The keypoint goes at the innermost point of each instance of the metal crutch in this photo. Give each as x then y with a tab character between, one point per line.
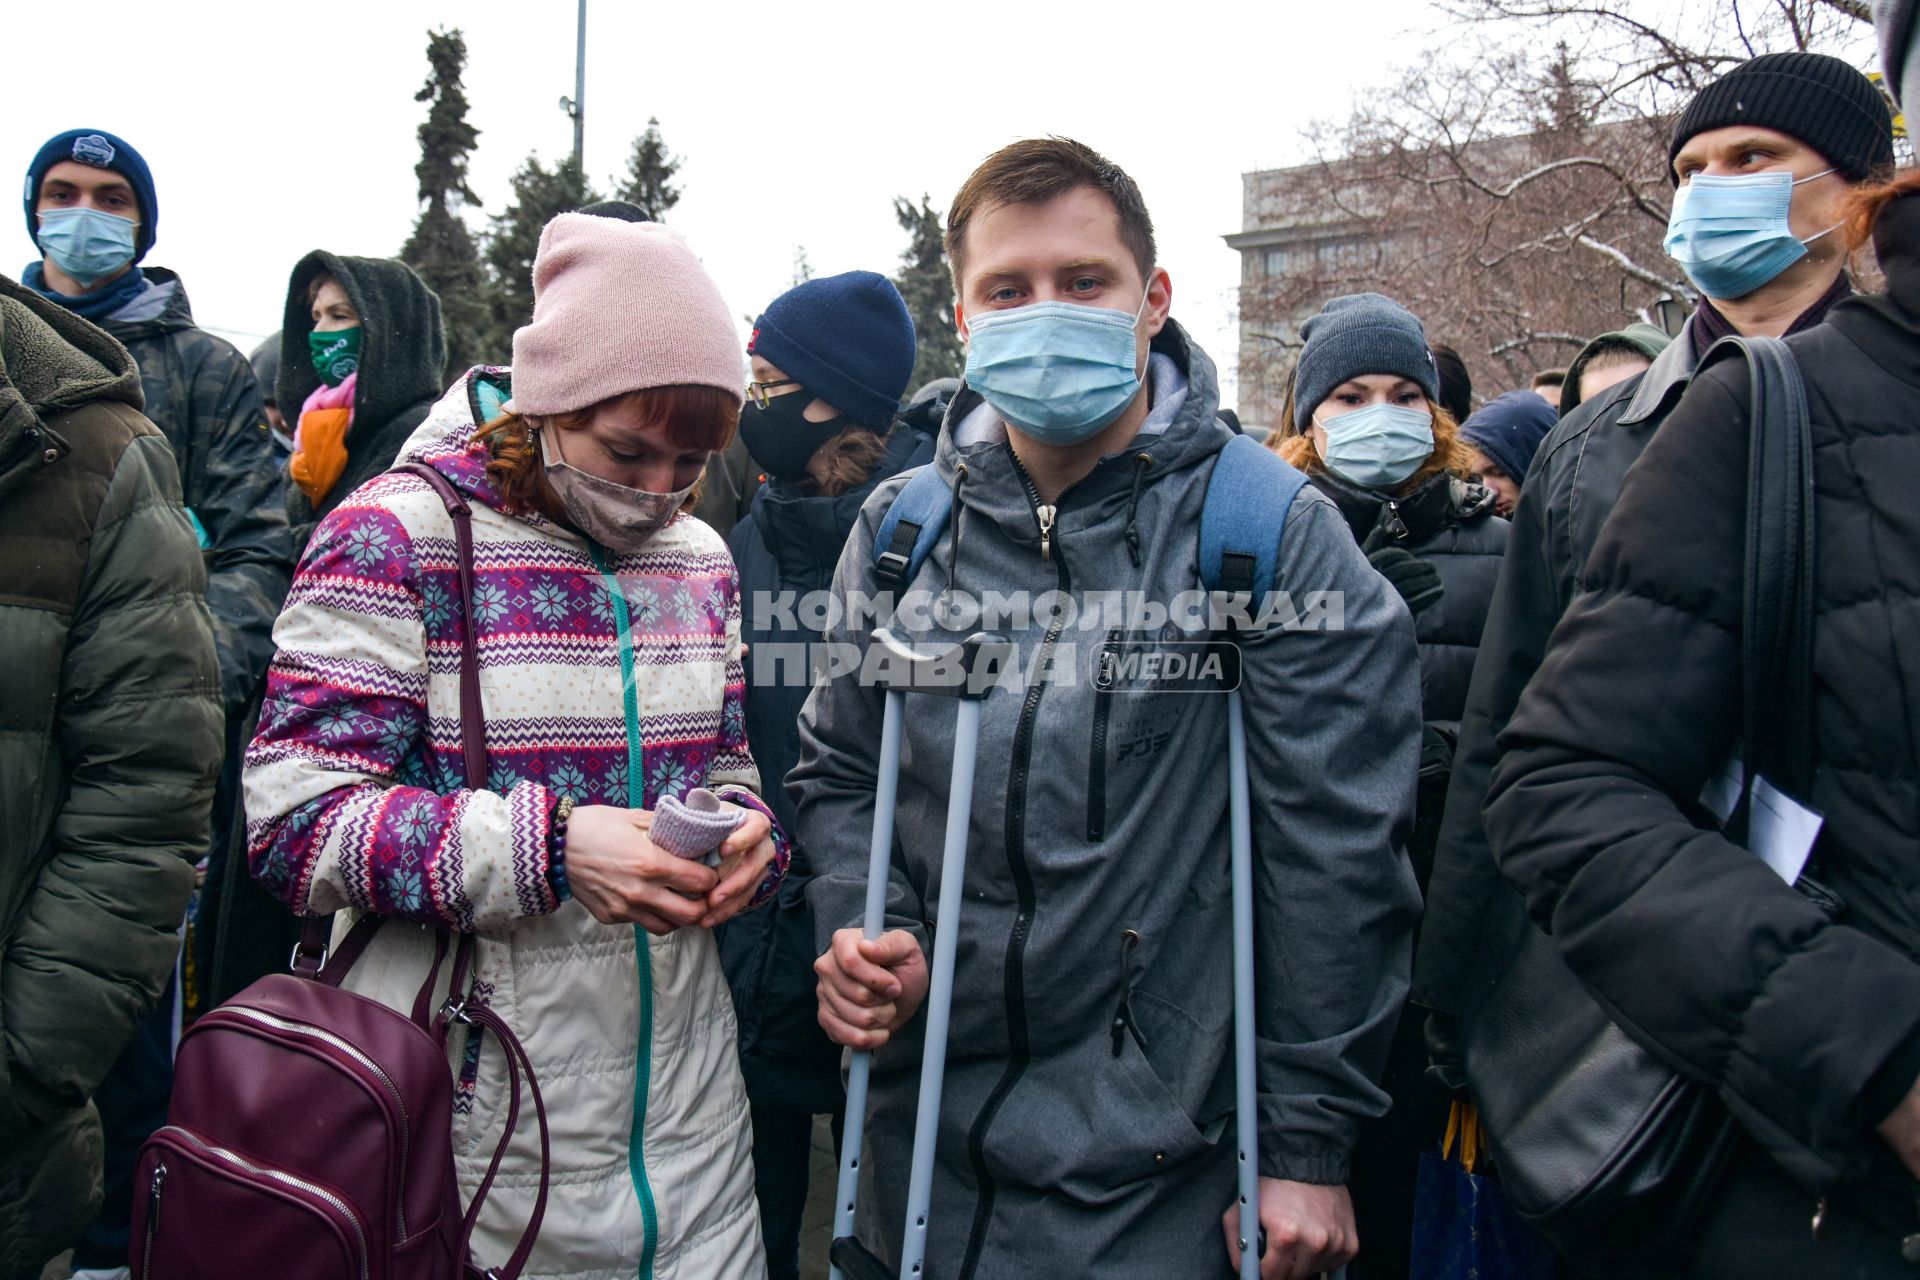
1246	1092
1245	1058
966	672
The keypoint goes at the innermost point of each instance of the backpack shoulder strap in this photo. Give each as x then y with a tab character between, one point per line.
910	528
1245	513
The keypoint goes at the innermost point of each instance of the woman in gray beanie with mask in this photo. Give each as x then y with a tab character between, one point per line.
1365	423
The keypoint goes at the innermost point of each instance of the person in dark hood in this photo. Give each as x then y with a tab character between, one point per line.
1087	1121
831	359
1364	423
1609	359
265	360
361	356
1780	141
1504	436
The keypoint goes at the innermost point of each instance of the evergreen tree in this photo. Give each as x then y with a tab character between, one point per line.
649	177
539	195
927	286
441	248
802	269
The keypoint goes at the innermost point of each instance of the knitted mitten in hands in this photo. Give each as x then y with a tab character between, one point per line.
694	828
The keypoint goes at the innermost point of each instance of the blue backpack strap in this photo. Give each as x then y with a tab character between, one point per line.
910	528
1248	496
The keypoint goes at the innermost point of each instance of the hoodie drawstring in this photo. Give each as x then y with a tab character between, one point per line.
1141	461
954	516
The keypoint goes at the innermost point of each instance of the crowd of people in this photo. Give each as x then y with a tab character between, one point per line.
537	666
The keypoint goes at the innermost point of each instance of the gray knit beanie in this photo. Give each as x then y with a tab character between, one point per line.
1356	335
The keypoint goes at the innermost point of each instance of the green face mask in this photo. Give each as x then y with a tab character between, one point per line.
335	355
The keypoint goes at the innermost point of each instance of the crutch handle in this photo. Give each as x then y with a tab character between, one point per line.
969	669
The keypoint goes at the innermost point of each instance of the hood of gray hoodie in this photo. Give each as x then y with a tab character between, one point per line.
1085	1127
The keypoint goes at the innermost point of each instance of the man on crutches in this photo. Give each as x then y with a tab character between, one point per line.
1086	1123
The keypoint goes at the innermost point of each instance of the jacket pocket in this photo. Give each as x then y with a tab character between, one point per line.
1103	676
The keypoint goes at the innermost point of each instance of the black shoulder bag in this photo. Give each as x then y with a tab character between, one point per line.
1605	1149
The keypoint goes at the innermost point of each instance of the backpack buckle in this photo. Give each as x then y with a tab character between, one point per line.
890	567
294	957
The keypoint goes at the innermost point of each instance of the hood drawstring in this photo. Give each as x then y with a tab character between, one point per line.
955	514
1141	461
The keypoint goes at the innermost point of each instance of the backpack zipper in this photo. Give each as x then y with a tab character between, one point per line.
286	1179
153	1217
373	1068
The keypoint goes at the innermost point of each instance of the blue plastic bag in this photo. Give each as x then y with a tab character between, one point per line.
1463	1227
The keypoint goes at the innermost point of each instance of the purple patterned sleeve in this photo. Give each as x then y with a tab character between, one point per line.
342	800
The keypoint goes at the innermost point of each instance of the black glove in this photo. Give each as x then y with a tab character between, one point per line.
1417	581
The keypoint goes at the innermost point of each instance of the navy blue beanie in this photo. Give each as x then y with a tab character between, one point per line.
1509	429
102	150
1356	335
846	338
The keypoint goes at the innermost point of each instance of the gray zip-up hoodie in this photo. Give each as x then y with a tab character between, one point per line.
1086	1127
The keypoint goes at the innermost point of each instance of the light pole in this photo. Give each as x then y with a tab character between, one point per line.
576	106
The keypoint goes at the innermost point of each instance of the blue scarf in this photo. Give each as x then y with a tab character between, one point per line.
95	306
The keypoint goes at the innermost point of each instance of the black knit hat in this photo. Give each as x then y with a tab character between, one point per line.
1819	100
847	338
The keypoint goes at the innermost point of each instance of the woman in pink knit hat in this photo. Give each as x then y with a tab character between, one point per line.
608	630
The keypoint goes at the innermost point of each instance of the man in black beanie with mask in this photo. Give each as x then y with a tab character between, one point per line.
1802	126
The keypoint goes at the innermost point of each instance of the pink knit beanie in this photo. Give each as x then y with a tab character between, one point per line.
617	307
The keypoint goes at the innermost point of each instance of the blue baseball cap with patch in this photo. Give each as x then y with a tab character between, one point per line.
102	150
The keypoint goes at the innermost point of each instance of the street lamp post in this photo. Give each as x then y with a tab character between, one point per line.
576	106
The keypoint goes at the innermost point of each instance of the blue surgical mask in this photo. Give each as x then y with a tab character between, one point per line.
1059	371
1378	446
1731	234
87	244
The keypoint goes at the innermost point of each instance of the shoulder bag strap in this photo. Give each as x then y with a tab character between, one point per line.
1776	634
311	958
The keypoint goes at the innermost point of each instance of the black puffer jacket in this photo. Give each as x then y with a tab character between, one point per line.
1452	525
791	542
403	355
200	392
1567	496
1809	1028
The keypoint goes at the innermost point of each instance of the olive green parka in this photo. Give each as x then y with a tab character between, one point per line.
110	737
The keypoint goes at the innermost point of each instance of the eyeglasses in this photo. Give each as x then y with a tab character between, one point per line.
757	391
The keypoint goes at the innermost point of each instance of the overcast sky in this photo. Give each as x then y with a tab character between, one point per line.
275	130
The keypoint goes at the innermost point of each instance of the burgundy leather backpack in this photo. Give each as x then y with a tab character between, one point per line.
310	1131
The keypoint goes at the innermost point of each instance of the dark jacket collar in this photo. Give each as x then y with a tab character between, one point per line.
806	532
1440	502
1660	385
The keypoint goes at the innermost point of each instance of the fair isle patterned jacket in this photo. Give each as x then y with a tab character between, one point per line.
616	680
